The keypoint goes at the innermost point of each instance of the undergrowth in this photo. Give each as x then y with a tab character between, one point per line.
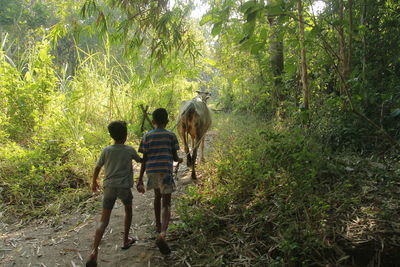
272	196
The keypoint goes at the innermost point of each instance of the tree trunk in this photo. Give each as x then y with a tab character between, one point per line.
363	41
304	75
276	52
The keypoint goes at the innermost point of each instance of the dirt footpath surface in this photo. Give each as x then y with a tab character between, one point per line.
68	242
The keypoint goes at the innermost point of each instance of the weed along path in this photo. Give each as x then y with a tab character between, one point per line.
67	240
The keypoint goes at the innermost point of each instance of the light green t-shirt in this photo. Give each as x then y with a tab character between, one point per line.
117	162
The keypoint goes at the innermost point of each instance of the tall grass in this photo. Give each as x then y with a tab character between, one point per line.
53	126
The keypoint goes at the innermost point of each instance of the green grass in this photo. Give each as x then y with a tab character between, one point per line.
273	195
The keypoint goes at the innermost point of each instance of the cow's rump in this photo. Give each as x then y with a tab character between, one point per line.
195	108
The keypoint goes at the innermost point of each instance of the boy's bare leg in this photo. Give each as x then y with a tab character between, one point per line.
127	223
157	208
166	214
105	219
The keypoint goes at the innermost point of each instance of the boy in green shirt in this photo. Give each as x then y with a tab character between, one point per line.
118	181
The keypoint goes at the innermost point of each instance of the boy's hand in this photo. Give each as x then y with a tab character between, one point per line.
140	187
95	187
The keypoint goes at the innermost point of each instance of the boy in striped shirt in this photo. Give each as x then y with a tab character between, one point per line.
159	148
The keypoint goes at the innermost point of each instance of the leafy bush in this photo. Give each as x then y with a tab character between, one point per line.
25	95
335	126
32	178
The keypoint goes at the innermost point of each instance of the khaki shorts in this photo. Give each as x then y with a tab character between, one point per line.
112	193
158	181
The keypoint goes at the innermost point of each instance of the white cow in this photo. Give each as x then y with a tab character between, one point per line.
194	119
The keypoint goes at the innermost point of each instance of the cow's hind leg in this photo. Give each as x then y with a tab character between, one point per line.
194	156
202	149
184	137
190	157
188	160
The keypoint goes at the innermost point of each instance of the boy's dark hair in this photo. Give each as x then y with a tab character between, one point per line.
118	130
160	116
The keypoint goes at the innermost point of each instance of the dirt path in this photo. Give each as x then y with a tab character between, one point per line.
68	242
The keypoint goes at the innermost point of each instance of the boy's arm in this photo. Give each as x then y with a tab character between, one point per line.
95	183
175	148
140	186
142	169
136	157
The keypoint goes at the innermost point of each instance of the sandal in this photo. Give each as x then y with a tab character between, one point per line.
130	243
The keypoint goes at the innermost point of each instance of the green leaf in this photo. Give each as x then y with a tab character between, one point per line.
210	61
246	6
216	29
248	28
206	18
28	76
43	54
88	8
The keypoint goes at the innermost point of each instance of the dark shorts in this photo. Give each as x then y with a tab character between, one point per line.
112	193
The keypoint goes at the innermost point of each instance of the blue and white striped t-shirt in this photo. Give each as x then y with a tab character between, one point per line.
158	146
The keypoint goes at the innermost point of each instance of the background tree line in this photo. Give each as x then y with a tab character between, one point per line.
324	62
